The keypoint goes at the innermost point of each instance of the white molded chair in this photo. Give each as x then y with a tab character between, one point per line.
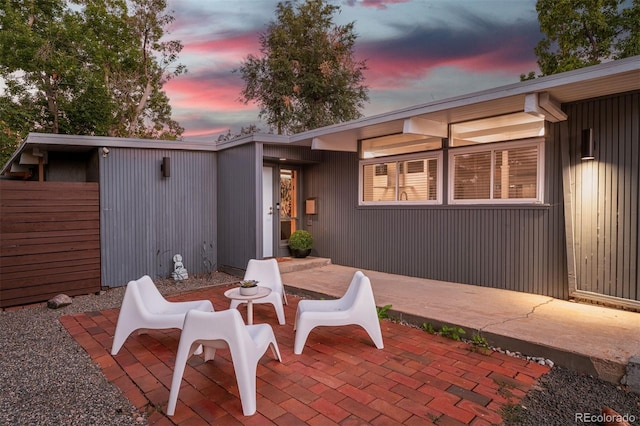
221	330
267	273
143	307
357	307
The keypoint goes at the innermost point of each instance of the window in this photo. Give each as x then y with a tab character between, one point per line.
405	143
496	129
413	179
497	173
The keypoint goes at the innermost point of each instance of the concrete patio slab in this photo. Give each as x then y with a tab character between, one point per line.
586	338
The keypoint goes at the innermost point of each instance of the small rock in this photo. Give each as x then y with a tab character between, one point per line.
59	301
549	363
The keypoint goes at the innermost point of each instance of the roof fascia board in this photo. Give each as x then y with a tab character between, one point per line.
14	157
98	141
268	138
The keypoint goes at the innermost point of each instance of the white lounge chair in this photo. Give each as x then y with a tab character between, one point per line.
267	273
143	307
357	306
218	330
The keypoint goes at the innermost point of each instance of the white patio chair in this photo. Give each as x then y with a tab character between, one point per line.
267	273
221	330
356	307
143	307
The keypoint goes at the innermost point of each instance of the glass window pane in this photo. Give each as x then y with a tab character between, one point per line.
406	180
472	176
398	144
516	173
496	129
417	179
379	182
432	171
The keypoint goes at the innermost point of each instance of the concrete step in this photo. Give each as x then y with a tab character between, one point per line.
292	264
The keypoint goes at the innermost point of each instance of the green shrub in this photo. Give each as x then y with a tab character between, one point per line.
300	240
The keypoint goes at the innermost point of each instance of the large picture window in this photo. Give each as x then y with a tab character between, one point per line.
414	179
497	173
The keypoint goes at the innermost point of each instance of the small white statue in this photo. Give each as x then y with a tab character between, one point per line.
179	271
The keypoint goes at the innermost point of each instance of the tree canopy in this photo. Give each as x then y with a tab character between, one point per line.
580	33
306	76
92	67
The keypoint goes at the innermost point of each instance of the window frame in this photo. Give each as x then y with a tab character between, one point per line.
538	142
424	155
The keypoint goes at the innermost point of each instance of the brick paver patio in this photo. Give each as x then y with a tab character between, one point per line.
340	378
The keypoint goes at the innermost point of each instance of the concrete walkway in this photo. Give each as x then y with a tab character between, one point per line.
586	338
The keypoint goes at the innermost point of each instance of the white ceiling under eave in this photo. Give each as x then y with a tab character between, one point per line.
586	83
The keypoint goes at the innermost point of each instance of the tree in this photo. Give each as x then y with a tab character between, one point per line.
580	33
96	68
306	76
244	131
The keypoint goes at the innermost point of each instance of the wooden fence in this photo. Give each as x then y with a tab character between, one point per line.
49	240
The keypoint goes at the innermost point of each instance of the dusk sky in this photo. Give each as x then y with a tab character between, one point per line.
417	51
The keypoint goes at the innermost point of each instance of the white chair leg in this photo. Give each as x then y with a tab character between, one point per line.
376	334
280	313
184	352
120	336
302	332
246	378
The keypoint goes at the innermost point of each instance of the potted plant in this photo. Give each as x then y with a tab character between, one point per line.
300	243
248	287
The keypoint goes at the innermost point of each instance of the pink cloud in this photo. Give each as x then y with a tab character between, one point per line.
244	43
378	4
211	95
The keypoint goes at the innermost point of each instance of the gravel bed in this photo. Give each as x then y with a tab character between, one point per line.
46	378
563	397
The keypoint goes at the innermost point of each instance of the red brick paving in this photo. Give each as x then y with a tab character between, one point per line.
340	378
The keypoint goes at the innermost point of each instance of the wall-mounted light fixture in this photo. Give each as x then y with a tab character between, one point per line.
165	167
588	144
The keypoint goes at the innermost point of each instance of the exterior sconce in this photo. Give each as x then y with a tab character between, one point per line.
165	167
588	145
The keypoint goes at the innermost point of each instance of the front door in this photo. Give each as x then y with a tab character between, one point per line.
268	212
289	205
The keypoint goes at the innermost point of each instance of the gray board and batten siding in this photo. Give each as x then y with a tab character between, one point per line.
239	171
518	248
146	218
240	198
605	199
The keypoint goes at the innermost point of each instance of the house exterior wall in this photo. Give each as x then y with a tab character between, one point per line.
297	154
72	166
605	196
239	200
146	219
516	247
